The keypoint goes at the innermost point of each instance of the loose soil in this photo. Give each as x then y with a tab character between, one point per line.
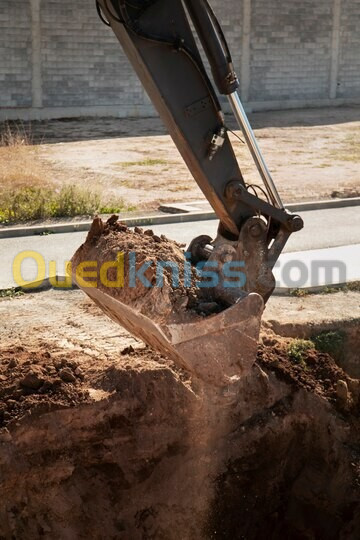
316	372
104	438
309	316
33	381
165	296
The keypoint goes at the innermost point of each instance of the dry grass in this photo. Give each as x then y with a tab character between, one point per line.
350	150
20	167
181	187
28	193
143	163
15	134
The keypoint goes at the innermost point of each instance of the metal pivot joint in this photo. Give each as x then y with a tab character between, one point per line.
235	191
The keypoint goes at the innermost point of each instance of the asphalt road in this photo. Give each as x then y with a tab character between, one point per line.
323	229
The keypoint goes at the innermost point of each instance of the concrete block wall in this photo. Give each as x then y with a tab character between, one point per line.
58	59
349	61
82	62
15	54
230	13
290	49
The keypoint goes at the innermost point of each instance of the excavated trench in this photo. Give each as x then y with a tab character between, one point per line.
137	448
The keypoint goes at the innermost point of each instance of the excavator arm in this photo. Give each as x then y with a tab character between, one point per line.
158	38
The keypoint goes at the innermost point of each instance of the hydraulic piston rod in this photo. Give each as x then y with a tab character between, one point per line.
253	146
219	56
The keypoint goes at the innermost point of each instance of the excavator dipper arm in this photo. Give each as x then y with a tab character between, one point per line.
158	39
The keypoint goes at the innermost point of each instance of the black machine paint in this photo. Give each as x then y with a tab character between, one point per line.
158	39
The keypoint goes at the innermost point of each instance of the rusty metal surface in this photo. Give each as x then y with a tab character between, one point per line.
217	349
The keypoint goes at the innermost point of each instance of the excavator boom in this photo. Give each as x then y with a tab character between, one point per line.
158	38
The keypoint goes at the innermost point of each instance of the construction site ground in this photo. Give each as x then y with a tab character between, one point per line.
104	438
69	321
313	154
101	437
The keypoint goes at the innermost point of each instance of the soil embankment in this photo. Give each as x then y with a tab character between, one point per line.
138	449
100	441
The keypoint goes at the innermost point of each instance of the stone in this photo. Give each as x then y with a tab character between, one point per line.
33	380
67	375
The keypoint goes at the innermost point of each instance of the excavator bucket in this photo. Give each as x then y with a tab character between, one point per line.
217	348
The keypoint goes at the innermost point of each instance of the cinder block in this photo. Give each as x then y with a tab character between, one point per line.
82	64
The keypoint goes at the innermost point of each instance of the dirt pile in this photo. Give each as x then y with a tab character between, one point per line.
136	448
37	382
152	275
314	371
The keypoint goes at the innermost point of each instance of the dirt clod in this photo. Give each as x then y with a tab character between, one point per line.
34	384
160	290
33	380
67	375
342	392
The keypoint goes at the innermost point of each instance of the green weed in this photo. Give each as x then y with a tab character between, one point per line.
297	350
11	293
180	187
143	163
33	203
114	208
299	293
330	342
331	290
352	286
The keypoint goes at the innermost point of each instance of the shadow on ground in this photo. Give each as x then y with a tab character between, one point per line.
97	128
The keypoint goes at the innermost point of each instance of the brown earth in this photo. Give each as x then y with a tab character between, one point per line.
317	372
313	154
134	448
103	438
34	381
106	240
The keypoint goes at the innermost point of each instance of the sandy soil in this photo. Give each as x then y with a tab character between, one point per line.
105	440
108	238
75	324
313	154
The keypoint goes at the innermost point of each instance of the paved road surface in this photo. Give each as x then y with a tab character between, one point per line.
323	229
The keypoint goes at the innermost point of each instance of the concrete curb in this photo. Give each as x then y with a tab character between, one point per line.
45	285
291	207
323	205
179	216
83	226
